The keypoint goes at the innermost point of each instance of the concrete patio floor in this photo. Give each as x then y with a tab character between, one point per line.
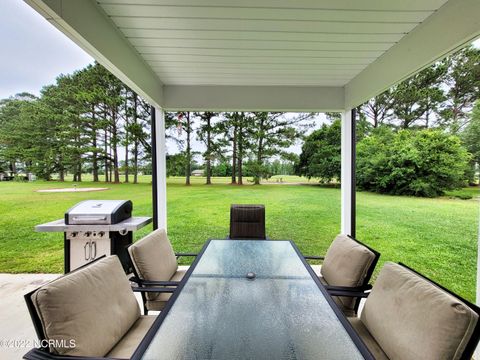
15	322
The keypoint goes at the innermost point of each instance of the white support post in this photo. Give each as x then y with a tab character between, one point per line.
348	175
159	169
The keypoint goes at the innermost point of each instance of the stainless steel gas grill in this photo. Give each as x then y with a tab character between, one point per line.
94	228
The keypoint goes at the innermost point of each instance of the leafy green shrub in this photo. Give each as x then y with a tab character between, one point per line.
420	163
320	156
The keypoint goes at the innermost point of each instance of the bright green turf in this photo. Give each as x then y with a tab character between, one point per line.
436	236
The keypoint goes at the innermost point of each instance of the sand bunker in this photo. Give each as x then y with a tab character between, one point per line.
63	190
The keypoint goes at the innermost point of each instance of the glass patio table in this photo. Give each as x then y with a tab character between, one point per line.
248	299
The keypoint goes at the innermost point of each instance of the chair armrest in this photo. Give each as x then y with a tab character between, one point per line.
38	354
153	289
359	294
154	282
348	288
313	257
184	254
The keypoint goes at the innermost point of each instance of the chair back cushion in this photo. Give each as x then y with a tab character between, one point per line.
346	263
412	318
153	258
93	306
247	222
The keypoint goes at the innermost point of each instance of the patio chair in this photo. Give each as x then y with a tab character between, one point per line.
155	265
347	265
90	312
247	222
408	317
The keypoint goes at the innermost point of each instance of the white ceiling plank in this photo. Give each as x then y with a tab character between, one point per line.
260	83
253	98
160	58
88	27
241	12
250	71
259	52
174	66
259	36
406	5
429	42
248	44
264	25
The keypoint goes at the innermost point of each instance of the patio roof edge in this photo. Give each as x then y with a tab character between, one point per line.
253	98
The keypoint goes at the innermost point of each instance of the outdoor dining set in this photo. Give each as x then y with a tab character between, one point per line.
250	297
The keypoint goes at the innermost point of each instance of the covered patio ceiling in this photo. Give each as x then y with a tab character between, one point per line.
278	55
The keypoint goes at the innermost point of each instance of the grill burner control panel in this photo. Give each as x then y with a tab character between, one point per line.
86	246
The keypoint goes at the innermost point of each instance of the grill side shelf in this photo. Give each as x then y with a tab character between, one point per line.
130	224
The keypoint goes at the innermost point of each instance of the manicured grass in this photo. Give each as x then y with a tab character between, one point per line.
438	237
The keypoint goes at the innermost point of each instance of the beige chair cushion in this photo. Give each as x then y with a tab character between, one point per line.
125	348
368	339
159	303
346	264
94	306
411	318
153	258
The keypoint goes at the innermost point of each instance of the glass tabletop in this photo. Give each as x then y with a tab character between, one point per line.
221	314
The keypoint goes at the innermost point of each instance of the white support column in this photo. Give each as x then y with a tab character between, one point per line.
159	169
347	176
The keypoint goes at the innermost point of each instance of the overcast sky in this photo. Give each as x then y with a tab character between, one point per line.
33	52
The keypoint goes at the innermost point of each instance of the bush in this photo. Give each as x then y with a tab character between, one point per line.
420	163
320	157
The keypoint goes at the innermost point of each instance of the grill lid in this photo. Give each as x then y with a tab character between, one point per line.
99	212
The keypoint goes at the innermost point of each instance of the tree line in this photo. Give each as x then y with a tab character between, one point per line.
90	122
236	144
75	126
80	124
420	137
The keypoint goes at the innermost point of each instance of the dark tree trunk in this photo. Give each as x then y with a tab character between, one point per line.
240	153
115	146
61	172
259	155
105	146
94	144
78	167
189	155
126	140
135	144
209	153
234	154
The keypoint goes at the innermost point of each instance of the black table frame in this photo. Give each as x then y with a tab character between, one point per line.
143	346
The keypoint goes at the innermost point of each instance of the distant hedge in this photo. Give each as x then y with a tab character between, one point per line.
411	162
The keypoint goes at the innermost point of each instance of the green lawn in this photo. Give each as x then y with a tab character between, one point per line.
438	237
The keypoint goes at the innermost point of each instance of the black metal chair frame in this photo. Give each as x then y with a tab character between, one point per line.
359	290
152	286
474	339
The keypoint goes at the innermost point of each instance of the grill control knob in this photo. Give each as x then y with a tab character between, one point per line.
101	233
88	233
